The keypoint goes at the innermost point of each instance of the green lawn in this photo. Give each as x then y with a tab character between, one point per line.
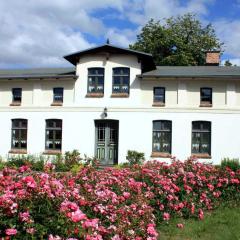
221	224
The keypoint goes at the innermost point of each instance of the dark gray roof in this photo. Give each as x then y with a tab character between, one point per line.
146	58
37	73
193	71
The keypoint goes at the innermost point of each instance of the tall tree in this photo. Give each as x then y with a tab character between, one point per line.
180	41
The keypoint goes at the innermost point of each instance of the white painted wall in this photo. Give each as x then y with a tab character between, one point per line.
135	131
89	61
135	114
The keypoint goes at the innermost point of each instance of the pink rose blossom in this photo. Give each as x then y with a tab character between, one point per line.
11	231
180	225
166	216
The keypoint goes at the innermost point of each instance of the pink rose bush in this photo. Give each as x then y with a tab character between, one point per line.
117	204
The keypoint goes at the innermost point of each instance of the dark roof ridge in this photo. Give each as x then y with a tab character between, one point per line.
105	45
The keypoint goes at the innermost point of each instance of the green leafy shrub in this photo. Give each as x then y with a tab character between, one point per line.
18	161
59	163
135	157
231	163
90	161
72	157
64	163
2	164
76	168
36	163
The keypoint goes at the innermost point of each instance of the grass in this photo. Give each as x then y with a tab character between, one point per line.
220	224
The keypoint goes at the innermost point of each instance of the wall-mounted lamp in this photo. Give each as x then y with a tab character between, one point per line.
104	113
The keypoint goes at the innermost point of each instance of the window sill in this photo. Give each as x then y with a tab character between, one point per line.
201	155
158	104
119	95
57	104
18	151
205	105
161	155
15	104
52	152
94	95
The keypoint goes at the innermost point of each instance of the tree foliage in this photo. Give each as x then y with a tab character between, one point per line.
179	41
228	63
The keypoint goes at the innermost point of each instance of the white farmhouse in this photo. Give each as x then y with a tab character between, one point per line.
116	99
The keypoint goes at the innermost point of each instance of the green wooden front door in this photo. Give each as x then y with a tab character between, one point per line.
106	141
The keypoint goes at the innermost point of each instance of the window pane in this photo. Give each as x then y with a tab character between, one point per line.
49	144
16	134
58	134
125	80
96	71
159	94
49	123
15	123
54	134
121	80
49	134
201	137
206	126
162	134
24	134
116	88
17	94
96	80
58	94
117	80
19	133
24	123
166	125
196	126
124	89
206	95
100	80
156	125
58	145
59	123
91	88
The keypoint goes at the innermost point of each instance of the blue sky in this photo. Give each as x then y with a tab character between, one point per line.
37	33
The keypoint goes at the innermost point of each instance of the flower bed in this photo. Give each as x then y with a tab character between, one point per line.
112	203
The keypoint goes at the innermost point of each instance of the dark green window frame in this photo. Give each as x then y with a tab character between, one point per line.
19	133
16	94
121	80
201	137
96	80
53	139
162	136
58	94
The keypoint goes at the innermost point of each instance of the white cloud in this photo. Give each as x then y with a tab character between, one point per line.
122	37
159	9
38	33
229	33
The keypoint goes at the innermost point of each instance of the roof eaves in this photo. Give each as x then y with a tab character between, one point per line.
40	77
188	76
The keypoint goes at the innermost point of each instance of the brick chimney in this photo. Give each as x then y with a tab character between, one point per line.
213	58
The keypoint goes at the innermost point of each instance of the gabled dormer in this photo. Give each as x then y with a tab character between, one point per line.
107	50
109	73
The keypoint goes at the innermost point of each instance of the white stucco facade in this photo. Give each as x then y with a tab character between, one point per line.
135	113
135	131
